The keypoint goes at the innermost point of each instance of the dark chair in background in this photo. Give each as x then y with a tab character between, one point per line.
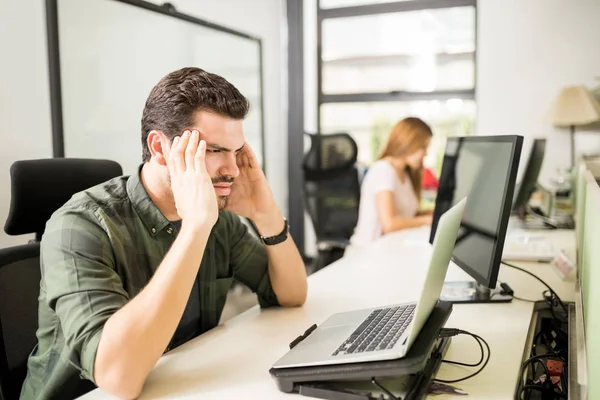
38	188
331	193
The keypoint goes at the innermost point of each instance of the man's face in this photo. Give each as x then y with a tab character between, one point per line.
224	139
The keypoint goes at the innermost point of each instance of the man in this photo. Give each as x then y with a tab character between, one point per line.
138	265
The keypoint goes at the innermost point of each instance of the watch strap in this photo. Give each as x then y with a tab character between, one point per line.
281	237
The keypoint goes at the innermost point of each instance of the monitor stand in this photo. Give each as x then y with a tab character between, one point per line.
532	224
530	219
473	292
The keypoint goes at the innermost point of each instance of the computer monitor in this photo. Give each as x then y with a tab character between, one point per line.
483	169
530	176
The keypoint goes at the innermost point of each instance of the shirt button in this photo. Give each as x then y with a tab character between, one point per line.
169	230
153	230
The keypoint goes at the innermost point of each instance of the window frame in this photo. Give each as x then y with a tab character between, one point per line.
393	95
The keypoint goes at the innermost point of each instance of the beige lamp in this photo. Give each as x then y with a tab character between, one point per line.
574	106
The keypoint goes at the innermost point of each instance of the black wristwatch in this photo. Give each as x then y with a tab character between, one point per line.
273	240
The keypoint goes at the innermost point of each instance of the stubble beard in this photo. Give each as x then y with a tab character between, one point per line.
222	202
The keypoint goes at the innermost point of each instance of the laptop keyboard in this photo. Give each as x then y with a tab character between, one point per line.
379	331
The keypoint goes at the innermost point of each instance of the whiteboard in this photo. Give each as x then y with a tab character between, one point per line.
112	52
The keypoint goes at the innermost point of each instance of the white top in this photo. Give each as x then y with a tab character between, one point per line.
382	176
232	361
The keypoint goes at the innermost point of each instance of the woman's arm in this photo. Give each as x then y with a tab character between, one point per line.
388	219
425	212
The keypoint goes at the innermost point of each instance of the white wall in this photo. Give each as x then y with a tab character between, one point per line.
25	130
265	19
526	51
24	91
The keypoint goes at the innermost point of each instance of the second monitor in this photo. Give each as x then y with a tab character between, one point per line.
530	177
483	169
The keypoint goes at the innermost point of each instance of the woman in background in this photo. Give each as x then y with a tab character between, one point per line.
391	189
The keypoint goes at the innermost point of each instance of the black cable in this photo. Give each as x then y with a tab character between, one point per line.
520	298
533	352
479	339
536	338
549	356
555	339
550	301
383	389
552	352
466	364
544	367
534	369
527	300
541	389
544	283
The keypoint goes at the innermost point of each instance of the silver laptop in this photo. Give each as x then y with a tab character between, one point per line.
381	333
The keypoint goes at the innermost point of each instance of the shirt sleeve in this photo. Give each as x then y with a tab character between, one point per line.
249	261
383	177
81	284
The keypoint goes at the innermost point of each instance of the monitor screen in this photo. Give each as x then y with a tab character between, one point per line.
530	174
483	169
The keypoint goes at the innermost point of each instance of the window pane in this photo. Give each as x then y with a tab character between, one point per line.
370	123
349	3
417	51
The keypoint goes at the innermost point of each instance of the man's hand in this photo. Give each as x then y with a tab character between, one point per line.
192	187
134	338
251	196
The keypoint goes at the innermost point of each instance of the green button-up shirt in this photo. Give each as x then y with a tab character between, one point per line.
100	250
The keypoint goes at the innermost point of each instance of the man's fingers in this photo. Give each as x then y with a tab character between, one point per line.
190	150
168	155
250	156
176	153
241	159
199	158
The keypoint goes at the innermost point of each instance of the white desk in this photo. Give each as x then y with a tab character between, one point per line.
233	360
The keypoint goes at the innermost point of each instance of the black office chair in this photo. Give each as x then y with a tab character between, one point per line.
331	193
38	188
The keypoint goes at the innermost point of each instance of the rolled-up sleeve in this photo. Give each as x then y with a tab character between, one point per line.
81	284
250	262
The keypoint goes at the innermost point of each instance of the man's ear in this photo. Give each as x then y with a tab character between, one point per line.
159	146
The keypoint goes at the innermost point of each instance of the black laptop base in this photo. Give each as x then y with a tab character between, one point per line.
418	367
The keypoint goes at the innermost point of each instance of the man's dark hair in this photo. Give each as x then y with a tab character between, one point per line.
171	105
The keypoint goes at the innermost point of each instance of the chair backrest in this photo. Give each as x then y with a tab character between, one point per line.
332	186
38	188
19	291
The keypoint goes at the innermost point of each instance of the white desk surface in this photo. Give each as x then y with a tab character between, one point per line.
232	360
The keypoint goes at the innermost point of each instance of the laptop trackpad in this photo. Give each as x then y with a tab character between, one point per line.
324	341
316	348
352	318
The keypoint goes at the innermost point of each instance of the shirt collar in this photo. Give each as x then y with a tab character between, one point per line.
153	219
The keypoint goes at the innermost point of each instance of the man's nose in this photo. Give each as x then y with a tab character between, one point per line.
230	168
